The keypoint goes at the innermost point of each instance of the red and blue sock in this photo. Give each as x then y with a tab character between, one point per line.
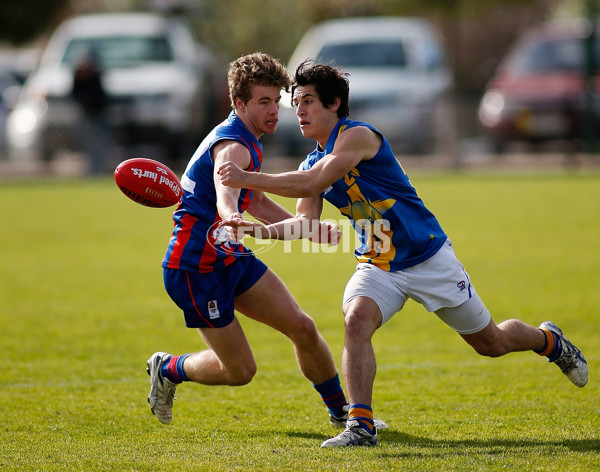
333	396
172	369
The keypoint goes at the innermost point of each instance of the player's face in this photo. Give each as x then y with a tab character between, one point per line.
261	113
315	120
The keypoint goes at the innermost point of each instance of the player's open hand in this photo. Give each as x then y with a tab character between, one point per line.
231	175
234	220
243	227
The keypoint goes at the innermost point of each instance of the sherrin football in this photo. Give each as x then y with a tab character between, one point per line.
148	182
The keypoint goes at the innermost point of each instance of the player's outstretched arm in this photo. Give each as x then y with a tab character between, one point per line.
275	222
287	184
323	232
350	149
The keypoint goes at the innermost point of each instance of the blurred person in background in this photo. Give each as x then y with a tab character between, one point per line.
92	132
404	254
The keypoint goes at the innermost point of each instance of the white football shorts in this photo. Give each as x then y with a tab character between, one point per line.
440	284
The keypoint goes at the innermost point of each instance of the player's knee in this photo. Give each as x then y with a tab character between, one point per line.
489	342
304	331
495	349
359	324
352	323
243	374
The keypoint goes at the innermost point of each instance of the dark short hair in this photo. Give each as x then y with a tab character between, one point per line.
329	83
255	69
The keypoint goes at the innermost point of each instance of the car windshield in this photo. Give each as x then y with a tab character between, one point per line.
118	51
365	54
552	56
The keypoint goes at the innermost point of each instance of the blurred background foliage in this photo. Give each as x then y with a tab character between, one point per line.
476	32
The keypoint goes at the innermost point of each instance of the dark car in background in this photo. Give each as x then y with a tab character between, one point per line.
538	93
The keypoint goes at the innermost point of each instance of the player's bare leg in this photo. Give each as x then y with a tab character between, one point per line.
221	365
218	365
362	318
508	336
547	340
270	302
267	301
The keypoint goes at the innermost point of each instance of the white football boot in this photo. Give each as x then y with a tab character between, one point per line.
571	361
162	391
353	435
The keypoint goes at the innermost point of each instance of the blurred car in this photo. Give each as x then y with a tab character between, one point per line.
15	66
8	83
158	79
538	91
399	77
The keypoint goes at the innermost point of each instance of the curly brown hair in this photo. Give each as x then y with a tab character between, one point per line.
255	69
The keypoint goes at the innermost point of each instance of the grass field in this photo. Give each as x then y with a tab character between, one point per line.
83	307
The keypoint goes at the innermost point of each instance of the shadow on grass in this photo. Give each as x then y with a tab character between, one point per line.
487	446
438	447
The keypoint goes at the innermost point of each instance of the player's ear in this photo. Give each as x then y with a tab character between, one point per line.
239	104
336	104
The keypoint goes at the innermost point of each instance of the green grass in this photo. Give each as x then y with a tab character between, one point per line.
82	307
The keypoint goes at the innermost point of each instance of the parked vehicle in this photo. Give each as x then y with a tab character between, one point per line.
398	72
8	82
15	66
538	92
159	82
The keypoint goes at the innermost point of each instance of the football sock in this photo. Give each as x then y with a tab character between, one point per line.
364	415
172	369
333	396
553	347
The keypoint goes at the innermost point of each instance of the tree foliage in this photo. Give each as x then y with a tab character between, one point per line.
235	27
477	33
23	20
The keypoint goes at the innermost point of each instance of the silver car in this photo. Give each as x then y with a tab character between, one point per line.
158	79
399	78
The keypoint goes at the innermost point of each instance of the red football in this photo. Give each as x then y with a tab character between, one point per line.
147	182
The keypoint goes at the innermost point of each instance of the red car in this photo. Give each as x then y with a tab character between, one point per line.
538	92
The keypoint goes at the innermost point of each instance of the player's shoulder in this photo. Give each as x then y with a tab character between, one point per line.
353	127
230	145
231	150
360	138
351	130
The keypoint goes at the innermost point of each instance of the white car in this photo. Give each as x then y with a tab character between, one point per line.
158	79
399	77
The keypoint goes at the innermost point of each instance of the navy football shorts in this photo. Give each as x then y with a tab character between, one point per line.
207	300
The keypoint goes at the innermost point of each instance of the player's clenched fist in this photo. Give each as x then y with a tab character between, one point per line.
331	231
231	175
